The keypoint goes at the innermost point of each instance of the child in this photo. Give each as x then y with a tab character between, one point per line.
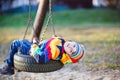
55	48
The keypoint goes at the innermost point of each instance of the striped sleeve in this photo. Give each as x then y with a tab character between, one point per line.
65	59
56	48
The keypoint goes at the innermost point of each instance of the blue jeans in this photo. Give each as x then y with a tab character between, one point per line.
14	47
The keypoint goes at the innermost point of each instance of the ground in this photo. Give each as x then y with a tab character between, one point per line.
68	72
101	61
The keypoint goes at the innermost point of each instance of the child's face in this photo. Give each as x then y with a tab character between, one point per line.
70	47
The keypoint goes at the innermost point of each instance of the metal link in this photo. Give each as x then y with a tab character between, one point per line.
28	25
49	20
50	10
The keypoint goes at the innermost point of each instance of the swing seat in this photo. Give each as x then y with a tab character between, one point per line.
29	64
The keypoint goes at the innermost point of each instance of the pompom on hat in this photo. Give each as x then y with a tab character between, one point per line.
79	52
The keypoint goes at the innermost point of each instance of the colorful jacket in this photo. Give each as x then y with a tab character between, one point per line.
51	49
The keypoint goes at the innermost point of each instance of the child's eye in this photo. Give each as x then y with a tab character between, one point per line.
67	45
71	51
74	46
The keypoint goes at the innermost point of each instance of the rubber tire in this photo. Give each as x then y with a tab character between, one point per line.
28	64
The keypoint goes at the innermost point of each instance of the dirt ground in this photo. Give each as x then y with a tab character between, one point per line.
68	72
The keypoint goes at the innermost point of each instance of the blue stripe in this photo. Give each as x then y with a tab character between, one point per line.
60	48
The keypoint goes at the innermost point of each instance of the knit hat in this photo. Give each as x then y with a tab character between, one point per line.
79	53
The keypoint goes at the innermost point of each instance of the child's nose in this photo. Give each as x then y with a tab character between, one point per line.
74	49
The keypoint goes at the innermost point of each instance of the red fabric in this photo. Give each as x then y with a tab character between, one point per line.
76	60
49	49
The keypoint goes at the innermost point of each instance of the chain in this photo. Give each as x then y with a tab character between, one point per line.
50	13
42	36
48	21
29	20
29	24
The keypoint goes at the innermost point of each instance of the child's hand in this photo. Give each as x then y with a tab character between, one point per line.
54	35
33	48
35	41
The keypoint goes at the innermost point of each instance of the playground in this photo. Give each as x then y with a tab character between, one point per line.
97	30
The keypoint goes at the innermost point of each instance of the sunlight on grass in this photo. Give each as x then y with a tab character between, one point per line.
7	35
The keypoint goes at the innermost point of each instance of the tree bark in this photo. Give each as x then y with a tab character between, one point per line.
39	19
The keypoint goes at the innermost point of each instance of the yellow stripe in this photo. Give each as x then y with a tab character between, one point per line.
77	57
65	59
54	49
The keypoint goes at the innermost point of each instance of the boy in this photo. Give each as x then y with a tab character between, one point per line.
55	48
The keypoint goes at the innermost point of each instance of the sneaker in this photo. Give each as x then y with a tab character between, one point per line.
7	70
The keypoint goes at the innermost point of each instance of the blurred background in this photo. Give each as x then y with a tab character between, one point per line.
21	6
93	23
67	12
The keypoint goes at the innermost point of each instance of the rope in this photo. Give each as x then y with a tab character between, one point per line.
49	20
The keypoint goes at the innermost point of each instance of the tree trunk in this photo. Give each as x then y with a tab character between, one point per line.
39	19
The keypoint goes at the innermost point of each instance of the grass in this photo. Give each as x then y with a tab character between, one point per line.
75	18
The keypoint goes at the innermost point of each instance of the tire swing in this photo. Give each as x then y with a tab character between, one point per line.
27	63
